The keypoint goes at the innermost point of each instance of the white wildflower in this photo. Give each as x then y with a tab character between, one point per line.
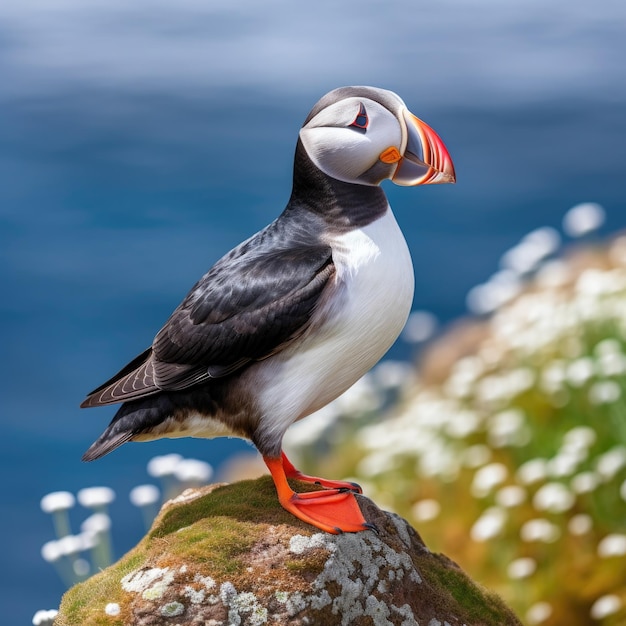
390	374
96	523
57	501
376	463
425	510
463	377
44	618
612	545
604	392
70	545
484	298
585	482
580	437
540	530
112	609
553	376
610	359
611	462
593	283
605	606
488	477
583	218
51	551
363	397
554	498
96	497
193	471
534	247
580	524
489	524
464	424
164	465
607	347
506	428
476	455
564	463
532	471
580	371
554	273
510	496
439	460
538	613
522	568
612	364
420	326
144	495
310	429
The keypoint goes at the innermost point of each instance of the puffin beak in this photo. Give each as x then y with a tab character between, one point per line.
425	160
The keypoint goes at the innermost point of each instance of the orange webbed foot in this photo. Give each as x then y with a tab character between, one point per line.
292	472
333	510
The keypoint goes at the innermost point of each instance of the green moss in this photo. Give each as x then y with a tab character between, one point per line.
218	541
245	501
84	603
480	606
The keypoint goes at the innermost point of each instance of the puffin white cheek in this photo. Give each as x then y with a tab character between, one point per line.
339	152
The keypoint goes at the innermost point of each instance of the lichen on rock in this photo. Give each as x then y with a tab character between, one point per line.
230	556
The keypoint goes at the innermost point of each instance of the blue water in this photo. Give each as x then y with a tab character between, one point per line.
136	147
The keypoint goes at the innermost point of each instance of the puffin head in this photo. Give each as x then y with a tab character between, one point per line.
365	135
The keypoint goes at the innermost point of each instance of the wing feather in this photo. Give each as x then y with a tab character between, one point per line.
250	305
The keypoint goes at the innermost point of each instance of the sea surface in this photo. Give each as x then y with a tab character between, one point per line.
140	143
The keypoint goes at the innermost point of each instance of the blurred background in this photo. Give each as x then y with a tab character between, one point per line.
140	141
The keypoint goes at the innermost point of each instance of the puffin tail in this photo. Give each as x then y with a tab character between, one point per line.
106	443
132	418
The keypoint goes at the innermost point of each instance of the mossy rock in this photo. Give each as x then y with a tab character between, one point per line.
229	555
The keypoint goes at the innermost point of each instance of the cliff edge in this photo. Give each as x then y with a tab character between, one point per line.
230	555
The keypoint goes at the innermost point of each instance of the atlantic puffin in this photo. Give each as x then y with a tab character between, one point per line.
292	317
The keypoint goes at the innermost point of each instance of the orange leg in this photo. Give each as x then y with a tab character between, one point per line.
332	510
292	472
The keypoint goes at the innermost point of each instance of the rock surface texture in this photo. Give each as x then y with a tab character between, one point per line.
230	555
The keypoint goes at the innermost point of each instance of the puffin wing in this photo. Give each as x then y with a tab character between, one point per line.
246	308
134	380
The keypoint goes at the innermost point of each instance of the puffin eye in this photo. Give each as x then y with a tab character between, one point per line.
361	120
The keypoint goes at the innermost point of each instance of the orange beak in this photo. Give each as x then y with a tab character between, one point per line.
425	159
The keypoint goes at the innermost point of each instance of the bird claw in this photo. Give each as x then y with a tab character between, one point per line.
370	526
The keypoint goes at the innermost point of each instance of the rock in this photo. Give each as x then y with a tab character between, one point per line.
230	555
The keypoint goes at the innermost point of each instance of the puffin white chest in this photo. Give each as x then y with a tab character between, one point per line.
363	316
375	279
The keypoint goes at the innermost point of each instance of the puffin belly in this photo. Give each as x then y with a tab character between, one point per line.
357	325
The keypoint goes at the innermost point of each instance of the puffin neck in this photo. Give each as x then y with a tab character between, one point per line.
343	206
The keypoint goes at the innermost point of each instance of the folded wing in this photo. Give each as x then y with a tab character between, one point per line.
247	307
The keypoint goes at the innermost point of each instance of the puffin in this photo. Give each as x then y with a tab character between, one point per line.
292	317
